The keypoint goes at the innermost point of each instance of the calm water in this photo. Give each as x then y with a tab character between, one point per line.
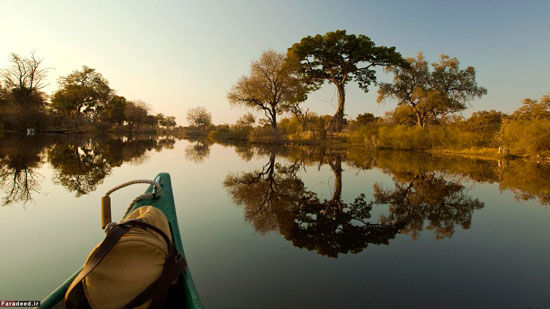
289	227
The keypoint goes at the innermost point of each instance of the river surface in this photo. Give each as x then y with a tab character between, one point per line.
288	227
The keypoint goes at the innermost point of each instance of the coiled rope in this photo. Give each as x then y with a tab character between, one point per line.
106	200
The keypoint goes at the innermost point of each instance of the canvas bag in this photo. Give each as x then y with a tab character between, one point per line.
132	268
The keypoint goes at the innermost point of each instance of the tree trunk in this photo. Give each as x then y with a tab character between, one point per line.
274	121
337	121
336	166
420	120
273	113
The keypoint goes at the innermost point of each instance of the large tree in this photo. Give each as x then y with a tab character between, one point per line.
429	94
271	87
113	110
22	103
135	113
533	109
25	74
338	58
81	92
199	118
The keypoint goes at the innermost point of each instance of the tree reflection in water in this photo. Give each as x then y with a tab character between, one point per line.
19	158
198	151
267	195
80	163
274	198
427	196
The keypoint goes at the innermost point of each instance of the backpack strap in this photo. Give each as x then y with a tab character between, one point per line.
73	300
174	265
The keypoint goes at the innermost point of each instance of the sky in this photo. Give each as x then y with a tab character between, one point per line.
176	55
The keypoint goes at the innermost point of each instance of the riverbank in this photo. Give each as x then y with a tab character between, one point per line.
343	140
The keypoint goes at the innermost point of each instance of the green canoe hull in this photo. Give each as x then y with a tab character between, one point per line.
166	204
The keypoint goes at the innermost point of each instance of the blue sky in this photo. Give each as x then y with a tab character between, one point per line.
175	55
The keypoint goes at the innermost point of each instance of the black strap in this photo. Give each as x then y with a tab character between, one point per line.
174	265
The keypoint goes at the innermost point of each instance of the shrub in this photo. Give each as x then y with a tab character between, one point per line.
529	137
224	133
409	138
265	134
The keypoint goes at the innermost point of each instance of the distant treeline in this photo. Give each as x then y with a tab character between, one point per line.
83	102
428	98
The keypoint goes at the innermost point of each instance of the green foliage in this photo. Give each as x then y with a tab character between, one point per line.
485	121
266	134
409	138
533	109
113	110
530	137
366	118
431	94
226	133
199	118
168	122
338	57
454	135
362	120
246	120
271	87
315	128
365	135
81	92
136	113
402	115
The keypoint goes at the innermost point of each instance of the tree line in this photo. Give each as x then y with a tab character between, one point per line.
279	83
428	98
83	101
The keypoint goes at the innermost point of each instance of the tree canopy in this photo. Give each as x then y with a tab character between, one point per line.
430	94
533	109
113	110
27	74
271	86
22	103
338	58
199	117
81	92
136	113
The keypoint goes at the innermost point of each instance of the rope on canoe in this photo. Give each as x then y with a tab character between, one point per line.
151	195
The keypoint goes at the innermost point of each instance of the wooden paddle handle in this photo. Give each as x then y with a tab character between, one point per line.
105	211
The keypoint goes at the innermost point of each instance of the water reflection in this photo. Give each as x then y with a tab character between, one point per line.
198	151
19	158
422	197
428	193
80	163
276	199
